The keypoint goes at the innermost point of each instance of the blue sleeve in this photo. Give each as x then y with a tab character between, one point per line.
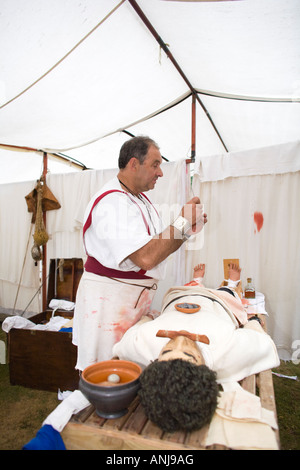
47	438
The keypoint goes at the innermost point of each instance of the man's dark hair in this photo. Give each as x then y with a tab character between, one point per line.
178	395
136	147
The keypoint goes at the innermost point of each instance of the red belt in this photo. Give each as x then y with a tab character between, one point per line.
93	266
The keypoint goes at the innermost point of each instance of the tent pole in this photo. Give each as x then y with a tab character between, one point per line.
163	45
44	260
193	146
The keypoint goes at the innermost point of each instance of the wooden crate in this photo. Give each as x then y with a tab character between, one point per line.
45	360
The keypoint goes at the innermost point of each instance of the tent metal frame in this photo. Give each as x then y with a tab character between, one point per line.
165	48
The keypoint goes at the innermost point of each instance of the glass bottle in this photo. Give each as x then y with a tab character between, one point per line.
249	289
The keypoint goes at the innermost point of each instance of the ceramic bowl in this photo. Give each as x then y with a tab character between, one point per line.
111	400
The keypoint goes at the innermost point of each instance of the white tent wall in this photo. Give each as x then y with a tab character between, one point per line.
19	277
233	188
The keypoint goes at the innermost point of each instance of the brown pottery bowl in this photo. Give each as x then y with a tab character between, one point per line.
110	399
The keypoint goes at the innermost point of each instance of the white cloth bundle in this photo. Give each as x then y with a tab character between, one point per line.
61	304
240	422
55	324
74	403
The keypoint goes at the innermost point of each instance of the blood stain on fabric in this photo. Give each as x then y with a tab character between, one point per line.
259	221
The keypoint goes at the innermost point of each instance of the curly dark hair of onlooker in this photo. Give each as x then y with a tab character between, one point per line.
178	395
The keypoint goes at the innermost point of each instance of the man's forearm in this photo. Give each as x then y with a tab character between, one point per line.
191	219
157	249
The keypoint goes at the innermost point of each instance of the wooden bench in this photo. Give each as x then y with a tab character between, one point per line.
87	431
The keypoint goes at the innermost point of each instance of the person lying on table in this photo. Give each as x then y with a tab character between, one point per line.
215	344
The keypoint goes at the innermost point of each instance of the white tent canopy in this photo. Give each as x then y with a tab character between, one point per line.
76	76
74	72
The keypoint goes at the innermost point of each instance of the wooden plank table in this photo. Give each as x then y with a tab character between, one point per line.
87	431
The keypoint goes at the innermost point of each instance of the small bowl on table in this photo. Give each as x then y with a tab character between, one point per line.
111	386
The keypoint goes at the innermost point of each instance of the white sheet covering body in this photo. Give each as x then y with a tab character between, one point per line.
233	353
